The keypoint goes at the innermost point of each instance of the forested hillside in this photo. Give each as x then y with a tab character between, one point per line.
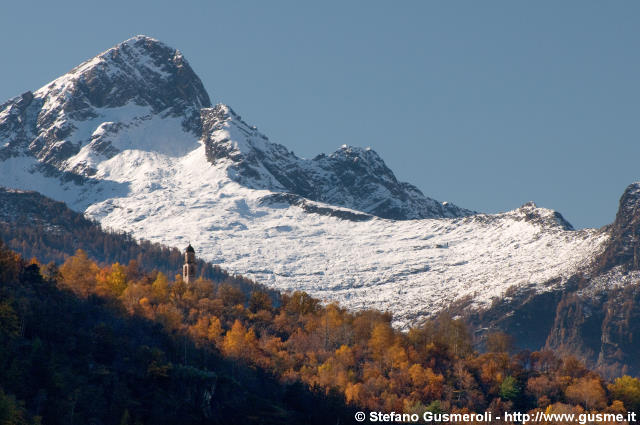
68	359
85	343
36	226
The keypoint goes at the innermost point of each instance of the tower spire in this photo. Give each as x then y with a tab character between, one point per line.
189	268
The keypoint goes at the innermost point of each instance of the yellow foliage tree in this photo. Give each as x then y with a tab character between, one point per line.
160	288
179	287
381	339
588	392
627	390
132	295
353	393
200	330
116	281
344	355
169	316
396	357
79	273
215	330
233	343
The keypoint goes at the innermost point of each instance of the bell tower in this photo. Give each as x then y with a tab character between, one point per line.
189	268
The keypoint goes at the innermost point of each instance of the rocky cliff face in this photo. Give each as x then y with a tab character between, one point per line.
625	233
350	177
595	314
600	327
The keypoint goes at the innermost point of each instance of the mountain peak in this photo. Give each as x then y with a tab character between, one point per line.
140	69
358	159
624	245
629	202
356	153
139	94
142	43
543	216
141	37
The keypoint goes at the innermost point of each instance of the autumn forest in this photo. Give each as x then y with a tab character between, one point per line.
85	342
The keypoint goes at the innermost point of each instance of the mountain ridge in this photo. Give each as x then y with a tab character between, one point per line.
339	226
350	177
142	94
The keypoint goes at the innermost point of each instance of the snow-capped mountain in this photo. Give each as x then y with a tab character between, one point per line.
139	94
143	95
129	138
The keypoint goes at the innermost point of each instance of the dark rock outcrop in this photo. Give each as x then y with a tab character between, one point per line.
623	249
554	219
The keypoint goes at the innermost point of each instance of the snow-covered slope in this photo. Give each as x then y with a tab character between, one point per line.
119	138
410	267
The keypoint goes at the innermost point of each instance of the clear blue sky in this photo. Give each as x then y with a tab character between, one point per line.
486	104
